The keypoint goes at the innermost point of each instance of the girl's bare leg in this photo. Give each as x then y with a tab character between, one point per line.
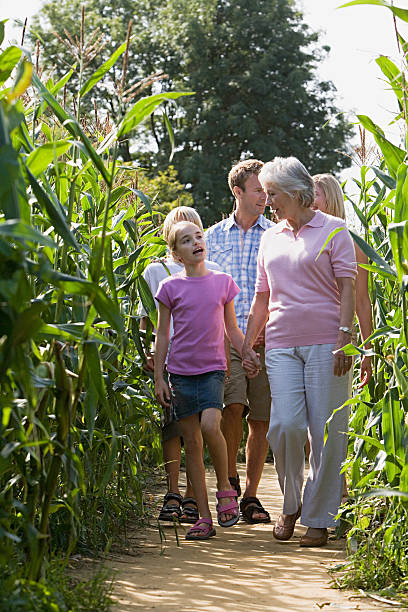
193	446
217	446
189	488
171	457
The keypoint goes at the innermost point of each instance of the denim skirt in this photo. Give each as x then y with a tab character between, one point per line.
193	394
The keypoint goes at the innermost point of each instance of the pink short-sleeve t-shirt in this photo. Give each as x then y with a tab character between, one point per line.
197	307
304	300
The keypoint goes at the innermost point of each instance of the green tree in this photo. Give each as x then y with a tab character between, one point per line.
165	190
253	67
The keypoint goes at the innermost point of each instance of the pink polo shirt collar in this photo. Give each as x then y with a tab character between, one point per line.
316	221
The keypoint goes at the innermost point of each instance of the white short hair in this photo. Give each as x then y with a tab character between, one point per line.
289	175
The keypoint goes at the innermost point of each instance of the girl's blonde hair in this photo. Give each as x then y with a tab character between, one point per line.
181	213
333	194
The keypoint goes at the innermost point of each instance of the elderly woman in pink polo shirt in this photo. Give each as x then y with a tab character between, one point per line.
305	292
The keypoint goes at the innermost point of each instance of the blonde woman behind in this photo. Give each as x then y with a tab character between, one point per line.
329	199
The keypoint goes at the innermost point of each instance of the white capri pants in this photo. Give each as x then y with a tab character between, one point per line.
305	393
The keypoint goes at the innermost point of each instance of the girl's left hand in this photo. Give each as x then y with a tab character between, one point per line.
162	393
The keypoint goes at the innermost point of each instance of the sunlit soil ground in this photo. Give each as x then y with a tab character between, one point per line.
241	568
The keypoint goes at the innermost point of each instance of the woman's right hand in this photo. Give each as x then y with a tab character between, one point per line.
342	363
162	393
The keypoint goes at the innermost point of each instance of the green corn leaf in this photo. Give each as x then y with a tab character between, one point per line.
44	155
393	74
392	419
377	270
145	199
102	70
398	12
27	323
96	259
368	439
105	307
22	82
401	195
402	381
385	178
358	212
93	367
372	254
73	127
386	331
349	402
137	338
2	23
109	268
404	480
393	155
355	2
329	237
111	459
90	409
63	81
8	61
79	286
73	332
143	108
54	213
147	299
398	233
18	230
9	176
350	349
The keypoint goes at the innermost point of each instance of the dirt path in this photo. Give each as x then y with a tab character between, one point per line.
242	568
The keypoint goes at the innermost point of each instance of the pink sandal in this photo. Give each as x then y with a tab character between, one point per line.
231	508
201	530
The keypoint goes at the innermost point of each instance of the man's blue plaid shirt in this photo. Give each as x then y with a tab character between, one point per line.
236	253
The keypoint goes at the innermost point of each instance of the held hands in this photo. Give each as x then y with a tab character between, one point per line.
250	362
162	393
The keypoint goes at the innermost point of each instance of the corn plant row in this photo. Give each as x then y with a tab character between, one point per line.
378	444
76	417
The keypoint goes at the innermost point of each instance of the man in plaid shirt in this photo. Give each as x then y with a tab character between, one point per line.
233	243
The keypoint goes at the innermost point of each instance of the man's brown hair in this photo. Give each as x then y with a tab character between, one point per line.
241	171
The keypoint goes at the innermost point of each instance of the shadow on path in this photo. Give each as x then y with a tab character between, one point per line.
241	568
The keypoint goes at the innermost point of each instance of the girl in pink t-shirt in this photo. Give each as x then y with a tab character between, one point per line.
201	302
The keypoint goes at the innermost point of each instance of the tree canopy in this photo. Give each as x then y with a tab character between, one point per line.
253	65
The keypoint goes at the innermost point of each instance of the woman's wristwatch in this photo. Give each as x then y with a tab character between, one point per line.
346	330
